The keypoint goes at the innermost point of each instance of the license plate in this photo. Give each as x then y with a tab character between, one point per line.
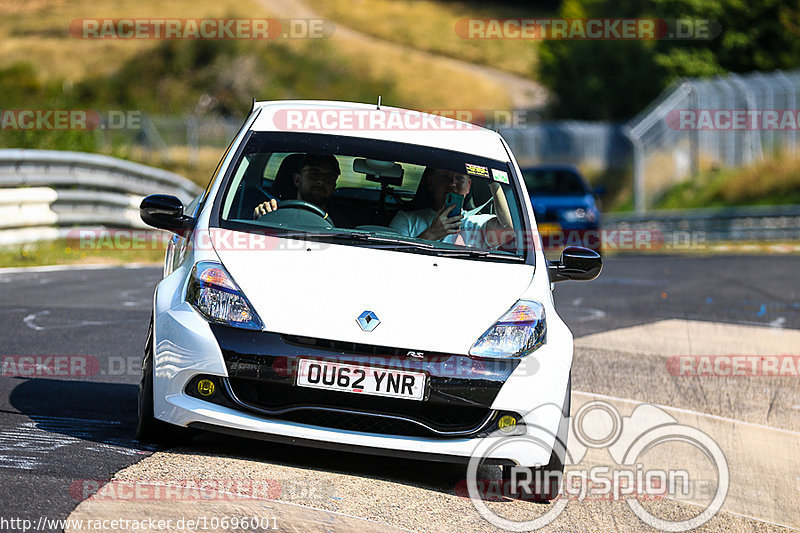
361	379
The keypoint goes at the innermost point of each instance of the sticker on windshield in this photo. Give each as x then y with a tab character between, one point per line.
477	170
500	175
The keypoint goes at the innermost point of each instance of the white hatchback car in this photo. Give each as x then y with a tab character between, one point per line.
361	278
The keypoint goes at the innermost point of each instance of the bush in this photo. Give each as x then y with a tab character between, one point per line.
613	80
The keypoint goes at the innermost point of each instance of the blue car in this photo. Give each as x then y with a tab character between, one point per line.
565	206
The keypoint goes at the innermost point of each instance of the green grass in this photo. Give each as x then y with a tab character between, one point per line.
772	182
171	76
775	181
64	252
431	26
43	67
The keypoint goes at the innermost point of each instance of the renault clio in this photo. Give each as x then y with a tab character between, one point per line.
361	278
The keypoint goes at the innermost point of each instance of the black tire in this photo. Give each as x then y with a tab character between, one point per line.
553	472
148	429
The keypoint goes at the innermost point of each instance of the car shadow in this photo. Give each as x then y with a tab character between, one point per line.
443	477
98	412
105	413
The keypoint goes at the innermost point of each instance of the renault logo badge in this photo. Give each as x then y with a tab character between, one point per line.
368	320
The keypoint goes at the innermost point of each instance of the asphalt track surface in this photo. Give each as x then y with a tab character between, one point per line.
58	432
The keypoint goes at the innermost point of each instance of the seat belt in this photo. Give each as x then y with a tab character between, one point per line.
478	209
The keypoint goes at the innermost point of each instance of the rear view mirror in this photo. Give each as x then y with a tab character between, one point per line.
576	263
383	172
163	211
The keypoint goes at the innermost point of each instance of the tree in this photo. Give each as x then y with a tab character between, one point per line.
614	79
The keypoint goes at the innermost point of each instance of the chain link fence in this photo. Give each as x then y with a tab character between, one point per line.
698	124
597	145
695	125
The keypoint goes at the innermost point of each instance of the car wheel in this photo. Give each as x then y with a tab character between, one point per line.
553	472
148	429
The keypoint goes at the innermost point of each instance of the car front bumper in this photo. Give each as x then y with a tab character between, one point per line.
186	346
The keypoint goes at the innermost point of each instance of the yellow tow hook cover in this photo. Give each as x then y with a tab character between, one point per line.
205	387
507	424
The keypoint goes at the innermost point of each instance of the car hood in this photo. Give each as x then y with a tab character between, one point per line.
423	302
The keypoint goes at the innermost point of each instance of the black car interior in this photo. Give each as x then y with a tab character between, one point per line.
372	207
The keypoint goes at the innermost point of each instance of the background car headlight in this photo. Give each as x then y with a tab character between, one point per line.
518	332
214	294
580	214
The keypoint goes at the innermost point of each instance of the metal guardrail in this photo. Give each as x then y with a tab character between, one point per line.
44	194
757	223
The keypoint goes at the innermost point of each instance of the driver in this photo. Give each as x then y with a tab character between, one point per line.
315	180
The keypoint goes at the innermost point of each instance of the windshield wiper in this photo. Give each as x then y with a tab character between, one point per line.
474	252
358	236
385	239
401	242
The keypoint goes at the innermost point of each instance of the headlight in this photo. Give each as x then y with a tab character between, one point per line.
214	294
573	215
579	215
518	332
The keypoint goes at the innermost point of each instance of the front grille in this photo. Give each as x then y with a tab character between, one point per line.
354	348
262	370
370	424
341	410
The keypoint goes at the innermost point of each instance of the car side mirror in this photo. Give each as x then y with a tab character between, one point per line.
599	191
576	263
164	211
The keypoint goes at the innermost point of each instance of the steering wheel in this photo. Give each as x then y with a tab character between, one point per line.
301	204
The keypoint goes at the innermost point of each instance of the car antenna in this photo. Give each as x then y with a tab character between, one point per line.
379	103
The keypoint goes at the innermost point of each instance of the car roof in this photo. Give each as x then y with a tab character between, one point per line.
390	124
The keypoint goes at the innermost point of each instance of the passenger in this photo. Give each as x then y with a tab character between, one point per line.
432	222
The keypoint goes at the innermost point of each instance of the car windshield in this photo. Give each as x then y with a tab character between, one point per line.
554	182
374	193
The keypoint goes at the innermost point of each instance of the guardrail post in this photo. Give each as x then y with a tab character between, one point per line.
639	202
694	135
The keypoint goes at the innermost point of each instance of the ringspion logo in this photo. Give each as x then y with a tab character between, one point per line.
634	475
